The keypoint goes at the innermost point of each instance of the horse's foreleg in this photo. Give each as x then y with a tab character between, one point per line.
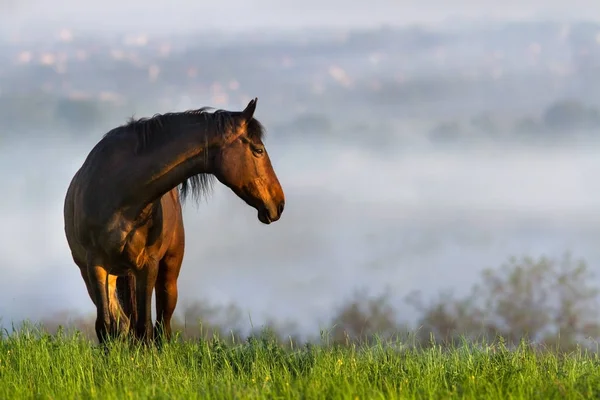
145	281
166	292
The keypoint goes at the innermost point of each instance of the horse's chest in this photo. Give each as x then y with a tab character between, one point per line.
144	248
135	244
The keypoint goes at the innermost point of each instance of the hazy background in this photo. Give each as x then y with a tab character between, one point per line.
170	16
417	142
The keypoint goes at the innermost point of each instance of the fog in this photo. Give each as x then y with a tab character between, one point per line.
422	220
384	189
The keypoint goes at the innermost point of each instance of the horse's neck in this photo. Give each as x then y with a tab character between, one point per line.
157	171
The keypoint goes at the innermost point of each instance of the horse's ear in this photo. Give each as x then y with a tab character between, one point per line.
248	112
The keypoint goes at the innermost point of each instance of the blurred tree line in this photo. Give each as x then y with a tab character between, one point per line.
548	302
563	119
43	112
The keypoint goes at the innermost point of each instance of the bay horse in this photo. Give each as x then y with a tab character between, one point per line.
122	211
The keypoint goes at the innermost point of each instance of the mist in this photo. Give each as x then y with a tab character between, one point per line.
425	221
411	159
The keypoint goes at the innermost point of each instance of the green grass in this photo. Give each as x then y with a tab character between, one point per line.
69	366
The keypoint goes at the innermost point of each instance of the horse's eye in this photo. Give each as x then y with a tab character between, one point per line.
258	151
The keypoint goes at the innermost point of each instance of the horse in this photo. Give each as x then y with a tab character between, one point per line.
123	207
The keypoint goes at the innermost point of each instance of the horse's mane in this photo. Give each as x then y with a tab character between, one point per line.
154	131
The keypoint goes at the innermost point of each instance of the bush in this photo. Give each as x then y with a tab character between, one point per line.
550	302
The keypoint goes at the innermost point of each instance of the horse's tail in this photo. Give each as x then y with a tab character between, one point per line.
126	294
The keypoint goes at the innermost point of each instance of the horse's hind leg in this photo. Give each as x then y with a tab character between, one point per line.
84	274
126	295
166	291
119	320
97	277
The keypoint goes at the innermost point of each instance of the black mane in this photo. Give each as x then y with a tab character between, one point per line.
154	131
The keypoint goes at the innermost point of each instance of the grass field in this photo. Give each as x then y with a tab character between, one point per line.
68	366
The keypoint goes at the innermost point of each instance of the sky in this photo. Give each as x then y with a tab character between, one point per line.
234	15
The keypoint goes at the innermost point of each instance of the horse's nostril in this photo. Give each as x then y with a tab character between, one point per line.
281	207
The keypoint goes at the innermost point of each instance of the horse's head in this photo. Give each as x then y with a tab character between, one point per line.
242	164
